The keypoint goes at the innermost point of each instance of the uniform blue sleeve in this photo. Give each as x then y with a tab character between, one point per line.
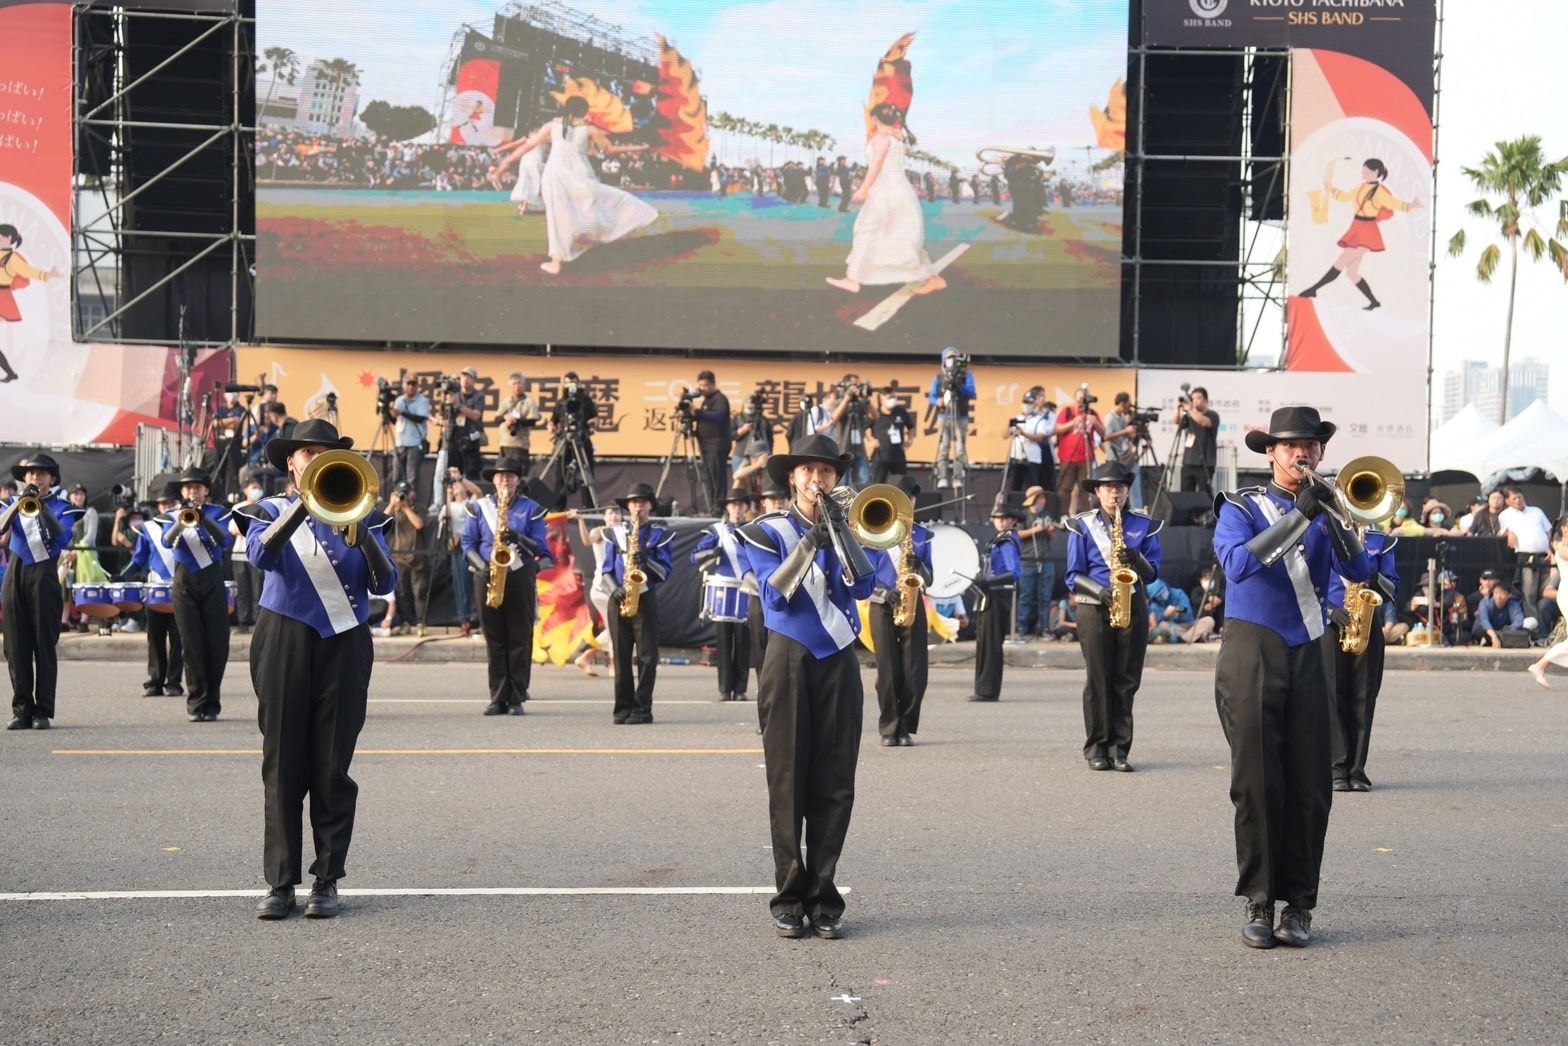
259	557
539	534
1077	556
764	561
886	572
473	535
140	555
1150	547
67	515
612	556
861	589
1387	567
1012	562
661	558
1231	533
221	518
706	543
923	550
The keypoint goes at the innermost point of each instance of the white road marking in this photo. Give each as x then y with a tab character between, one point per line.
434	891
532	701
888	307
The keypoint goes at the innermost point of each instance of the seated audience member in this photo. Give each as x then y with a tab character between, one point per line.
1483	593
1502	613
1169	611
1208	602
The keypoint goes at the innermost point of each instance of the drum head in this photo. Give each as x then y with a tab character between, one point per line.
955	561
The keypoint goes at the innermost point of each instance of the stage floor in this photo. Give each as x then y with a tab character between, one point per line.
1000	892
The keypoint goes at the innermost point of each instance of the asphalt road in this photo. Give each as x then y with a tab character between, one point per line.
1001	892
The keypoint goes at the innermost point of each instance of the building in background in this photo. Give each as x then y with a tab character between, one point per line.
324	99
1475	382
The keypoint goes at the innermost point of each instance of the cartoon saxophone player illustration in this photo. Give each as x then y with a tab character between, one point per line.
1373	204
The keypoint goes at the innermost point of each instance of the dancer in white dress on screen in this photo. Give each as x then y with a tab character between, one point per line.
889	244
530	162
1558	654
580	211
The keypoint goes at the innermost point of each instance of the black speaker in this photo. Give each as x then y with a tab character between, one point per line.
1190	508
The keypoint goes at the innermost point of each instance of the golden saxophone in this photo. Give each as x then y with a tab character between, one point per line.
636	579
501	555
1123	578
907	601
1361	604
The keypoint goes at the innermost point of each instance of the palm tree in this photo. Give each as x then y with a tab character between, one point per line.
1514	180
340	71
284	65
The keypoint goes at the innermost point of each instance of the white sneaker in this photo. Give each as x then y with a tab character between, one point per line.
383	631
131	626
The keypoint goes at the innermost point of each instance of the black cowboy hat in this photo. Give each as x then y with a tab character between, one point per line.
743	496
774	490
507	464
804	451
1009	507
1110	472
313	432
37	461
194	474
639	492
1291	423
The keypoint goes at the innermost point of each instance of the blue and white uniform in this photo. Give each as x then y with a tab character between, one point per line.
902	659
721	544
1357	678
316	578
33	603
508	628
635	640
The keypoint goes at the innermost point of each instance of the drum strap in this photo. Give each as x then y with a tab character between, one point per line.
726	535
163	570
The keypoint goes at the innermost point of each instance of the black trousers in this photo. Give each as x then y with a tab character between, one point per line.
1273	706
636	642
759	648
32	602
715	469
247	593
509	636
1021	475
991	627
413	587
311	693
733	655
1113	660
165	656
1197	477
201	613
888	461
903	664
810	743
1355	681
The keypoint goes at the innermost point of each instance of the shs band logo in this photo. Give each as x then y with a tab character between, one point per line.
1208	12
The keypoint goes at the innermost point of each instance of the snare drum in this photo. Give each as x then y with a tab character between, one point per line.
156	597
232	591
127	595
93	600
723	599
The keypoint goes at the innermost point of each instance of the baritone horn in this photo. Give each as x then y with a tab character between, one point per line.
881	516
340	489
992	157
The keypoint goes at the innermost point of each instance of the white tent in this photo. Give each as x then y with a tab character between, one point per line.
1461	444
1537	438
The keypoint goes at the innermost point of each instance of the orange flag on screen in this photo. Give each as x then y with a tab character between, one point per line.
894	81
605	110
685	112
564	623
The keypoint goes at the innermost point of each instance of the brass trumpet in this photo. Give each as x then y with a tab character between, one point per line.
999	155
1367	491
880	516
340	489
189	516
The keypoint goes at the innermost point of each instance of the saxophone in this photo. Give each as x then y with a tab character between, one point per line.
636	579
501	555
1361	605
1122	577
907	600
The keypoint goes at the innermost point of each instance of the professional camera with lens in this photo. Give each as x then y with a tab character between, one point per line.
684	404
122	496
386	395
1144	417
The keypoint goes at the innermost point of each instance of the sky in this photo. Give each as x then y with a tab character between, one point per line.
979	65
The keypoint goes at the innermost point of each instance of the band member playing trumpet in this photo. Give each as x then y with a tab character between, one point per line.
1357	674
1112	555
198	534
165	655
775	497
1277	546
508	566
899	629
810	696
37	524
718	553
311	658
637	560
994	607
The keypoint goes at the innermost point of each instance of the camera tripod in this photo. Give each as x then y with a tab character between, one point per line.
384	443
951	436
685	444
571	458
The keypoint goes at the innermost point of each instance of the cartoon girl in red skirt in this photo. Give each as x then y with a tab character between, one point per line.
15	274
1373	204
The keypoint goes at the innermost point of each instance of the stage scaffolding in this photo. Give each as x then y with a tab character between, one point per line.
115	224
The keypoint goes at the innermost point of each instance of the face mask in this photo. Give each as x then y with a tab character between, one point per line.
1402	514
1438	517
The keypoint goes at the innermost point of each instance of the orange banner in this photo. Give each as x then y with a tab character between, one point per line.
637	394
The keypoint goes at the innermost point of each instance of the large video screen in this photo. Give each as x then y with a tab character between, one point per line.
823	175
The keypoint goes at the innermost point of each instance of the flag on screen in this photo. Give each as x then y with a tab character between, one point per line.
684	133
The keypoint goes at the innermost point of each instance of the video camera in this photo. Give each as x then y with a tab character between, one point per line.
855	390
386	395
122	496
1085	397
1144	417
684	403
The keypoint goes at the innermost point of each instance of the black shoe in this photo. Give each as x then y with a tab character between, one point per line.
792	926
174	690
1341	784
639	719
197	717
40	722
323	900
21	722
495	708
1361	786
977	697
905	741
278	903
1099	762
152	691
517	709
889	741
740	695
828	929
619	720
1259	930
1120	763
1295	927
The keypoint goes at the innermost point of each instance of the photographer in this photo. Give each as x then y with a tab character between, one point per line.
1031	446
1199	442
952	390
406	545
230	427
753	442
411	411
516	417
462	423
894	431
711	412
574	418
1123	433
1078	429
460	493
857	415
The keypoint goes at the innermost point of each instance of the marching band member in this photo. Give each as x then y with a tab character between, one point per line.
1357	678
1277	546
201	604
1113	657
508	628
994	610
810	698
718	552
902	657
310	661
635	637
31	599
165	656
774	498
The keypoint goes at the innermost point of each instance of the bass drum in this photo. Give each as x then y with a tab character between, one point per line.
955	561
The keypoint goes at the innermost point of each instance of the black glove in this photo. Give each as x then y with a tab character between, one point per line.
1339	617
477	563
1131	557
1311	500
1347	543
618	595
214	531
377	565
